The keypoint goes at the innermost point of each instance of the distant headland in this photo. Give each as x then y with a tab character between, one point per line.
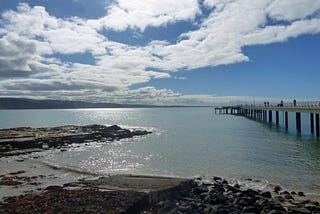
25	103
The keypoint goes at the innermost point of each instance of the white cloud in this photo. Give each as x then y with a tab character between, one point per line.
221	37
141	14
56	35
30	37
289	10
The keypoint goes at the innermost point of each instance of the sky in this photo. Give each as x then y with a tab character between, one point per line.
188	52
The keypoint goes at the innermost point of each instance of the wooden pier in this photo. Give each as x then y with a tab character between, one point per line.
264	113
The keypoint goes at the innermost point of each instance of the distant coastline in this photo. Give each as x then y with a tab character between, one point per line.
25	103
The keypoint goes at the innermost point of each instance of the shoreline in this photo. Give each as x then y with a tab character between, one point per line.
157	194
149	193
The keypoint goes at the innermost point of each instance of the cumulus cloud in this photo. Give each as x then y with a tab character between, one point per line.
17	57
141	14
289	10
31	38
231	26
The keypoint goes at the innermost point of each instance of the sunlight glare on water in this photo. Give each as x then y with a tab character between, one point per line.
184	142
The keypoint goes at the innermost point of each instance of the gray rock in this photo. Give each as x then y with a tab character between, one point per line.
53	188
250	209
276	188
200	189
299	210
266	194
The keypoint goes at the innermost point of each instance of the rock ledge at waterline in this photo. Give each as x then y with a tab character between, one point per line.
23	140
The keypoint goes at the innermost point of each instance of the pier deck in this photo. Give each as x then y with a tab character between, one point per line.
264	113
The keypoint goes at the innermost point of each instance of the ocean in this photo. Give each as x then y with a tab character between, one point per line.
185	142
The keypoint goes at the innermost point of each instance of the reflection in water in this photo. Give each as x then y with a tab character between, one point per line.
185	142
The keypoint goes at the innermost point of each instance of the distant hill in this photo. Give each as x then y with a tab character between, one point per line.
23	103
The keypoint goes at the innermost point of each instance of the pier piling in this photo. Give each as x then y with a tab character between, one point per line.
264	113
311	123
317	126
286	119
270	116
298	122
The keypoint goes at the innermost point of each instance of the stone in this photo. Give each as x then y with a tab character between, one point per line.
200	189
217	178
217	188
276	188
53	188
218	198
236	186
250	209
301	194
266	194
251	193
276	212
299	210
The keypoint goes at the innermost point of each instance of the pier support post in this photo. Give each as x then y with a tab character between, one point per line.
311	123
298	122
270	116
277	117
317	126
286	119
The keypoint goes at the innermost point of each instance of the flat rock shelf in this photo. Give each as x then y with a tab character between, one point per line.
22	140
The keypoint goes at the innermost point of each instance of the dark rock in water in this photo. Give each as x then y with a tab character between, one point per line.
17	141
18	172
232	189
276	188
301	194
236	186
266	194
217	178
53	188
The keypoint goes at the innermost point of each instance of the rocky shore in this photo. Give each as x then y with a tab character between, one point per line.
128	193
146	194
23	140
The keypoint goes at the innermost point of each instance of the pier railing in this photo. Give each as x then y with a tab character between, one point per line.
264	113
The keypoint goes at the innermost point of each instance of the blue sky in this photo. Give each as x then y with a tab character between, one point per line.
191	52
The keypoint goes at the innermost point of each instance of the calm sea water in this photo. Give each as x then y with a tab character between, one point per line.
185	142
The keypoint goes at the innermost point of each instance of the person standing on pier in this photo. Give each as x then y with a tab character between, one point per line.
294	103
